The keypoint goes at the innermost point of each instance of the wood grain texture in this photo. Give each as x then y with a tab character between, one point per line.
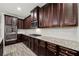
18	49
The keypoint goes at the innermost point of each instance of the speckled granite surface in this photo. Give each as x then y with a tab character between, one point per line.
67	37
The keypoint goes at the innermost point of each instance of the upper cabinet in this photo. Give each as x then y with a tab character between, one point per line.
53	15
35	17
32	20
27	22
58	15
10	20
70	14
20	23
41	17
49	15
46	14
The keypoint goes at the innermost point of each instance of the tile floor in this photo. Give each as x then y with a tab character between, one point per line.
18	49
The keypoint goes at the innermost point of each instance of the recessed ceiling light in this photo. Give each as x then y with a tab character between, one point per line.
18	8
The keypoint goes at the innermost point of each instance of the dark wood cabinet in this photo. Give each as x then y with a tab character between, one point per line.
35	13
67	52
27	23
20	38
36	46
46	13
51	49
8	20
58	15
32	20
31	43
49	15
69	14
1	48
41	24
10	29
44	48
54	15
20	24
35	17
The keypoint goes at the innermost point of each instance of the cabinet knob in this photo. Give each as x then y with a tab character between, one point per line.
66	51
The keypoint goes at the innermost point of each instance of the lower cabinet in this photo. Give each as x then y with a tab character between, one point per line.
26	40
19	37
36	46
1	48
51	49
31	43
67	52
44	48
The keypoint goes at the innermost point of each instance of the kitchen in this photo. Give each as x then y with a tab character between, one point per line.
39	29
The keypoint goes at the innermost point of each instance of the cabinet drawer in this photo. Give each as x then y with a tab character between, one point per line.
67	51
52	46
36	45
42	43
51	49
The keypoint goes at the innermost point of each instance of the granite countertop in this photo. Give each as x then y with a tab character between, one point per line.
66	43
70	40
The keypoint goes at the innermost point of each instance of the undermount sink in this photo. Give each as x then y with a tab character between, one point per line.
35	34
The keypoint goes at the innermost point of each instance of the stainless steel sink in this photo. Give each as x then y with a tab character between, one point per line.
35	34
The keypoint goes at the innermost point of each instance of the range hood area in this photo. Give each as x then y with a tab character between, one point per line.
43	29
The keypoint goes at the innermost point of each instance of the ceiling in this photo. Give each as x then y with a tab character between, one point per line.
11	8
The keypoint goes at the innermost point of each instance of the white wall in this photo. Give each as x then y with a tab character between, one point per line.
78	14
2	25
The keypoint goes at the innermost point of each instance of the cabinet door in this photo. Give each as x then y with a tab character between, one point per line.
70	14
1	48
46	15
41	24
14	21
8	20
27	22
20	24
31	43
67	52
54	15
51	49
35	14
35	17
20	38
42	48
49	15
36	45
